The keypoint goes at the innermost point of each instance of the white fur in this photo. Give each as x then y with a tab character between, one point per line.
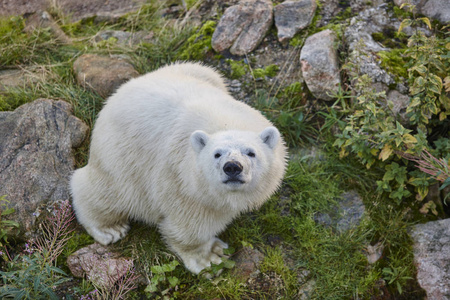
153	159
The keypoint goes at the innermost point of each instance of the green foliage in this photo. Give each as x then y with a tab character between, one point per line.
428	66
161	282
6	226
38	47
34	275
29	278
226	263
269	71
372	131
199	43
288	116
396	275
238	68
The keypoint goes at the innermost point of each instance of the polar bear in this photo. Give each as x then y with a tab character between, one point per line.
172	148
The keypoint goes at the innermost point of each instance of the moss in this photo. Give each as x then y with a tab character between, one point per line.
269	71
394	62
238	68
390	39
199	43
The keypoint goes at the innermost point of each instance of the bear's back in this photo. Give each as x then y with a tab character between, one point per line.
172	98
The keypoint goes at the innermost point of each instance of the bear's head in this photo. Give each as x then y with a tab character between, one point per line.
234	160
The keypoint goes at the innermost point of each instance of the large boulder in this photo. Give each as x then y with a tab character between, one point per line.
243	26
320	64
293	16
435	9
102	75
36	160
75	10
432	258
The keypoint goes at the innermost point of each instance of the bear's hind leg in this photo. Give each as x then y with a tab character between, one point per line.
93	208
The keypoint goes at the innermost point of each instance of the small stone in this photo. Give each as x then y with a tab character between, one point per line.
100	266
36	160
432	257
124	37
320	66
374	252
346	215
102	75
293	16
247	261
243	26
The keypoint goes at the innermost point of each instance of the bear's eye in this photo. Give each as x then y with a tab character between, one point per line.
251	154
217	155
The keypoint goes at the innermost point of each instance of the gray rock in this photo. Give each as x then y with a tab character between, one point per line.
102	74
21	7
320	66
43	19
346	215
243	26
75	10
100	266
435	9
36	142
362	46
124	37
400	103
293	16
432	258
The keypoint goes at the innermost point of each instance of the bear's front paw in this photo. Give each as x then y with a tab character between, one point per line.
202	257
109	235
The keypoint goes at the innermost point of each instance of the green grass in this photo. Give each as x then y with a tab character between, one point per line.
336	264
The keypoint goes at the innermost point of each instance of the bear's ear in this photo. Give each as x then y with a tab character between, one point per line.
198	140
270	136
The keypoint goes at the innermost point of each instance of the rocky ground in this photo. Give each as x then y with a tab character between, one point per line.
37	140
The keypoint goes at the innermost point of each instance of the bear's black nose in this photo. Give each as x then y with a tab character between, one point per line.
232	168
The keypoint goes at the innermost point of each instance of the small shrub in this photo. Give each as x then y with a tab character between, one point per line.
33	274
162	283
6	226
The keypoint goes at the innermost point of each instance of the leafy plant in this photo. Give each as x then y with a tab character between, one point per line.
6	226
427	70
395	275
161	281
270	71
439	169
33	274
30	278
373	132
